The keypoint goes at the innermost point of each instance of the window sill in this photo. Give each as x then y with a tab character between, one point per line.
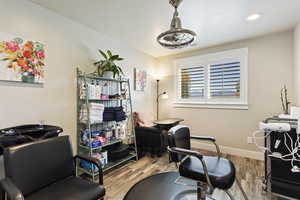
230	106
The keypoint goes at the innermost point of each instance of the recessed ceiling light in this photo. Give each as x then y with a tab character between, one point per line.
254	17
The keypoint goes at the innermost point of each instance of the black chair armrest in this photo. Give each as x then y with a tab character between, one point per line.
95	162
8	187
208	139
185	152
195	154
204	138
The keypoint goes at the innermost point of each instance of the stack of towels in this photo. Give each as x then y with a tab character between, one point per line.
114	114
96	113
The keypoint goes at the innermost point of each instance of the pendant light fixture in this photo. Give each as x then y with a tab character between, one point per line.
177	37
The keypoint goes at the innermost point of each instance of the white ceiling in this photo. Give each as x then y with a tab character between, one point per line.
138	22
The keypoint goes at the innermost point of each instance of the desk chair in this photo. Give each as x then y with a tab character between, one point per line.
209	172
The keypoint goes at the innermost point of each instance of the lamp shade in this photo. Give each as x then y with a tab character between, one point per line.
165	96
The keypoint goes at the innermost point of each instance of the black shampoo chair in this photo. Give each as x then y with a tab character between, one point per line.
151	140
45	170
209	172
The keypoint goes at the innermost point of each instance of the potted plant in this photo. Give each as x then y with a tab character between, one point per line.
107	67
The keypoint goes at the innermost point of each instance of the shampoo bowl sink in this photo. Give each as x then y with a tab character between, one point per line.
26	133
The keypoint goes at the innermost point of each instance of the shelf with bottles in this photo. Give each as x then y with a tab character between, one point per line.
101	137
93	171
101	100
85	123
101	90
97	123
89	76
111	142
114	141
102	97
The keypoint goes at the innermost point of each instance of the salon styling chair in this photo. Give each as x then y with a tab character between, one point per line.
46	170
209	172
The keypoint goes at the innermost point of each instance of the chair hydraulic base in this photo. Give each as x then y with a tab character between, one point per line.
203	192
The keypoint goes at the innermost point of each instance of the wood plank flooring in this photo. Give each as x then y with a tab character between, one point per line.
120	180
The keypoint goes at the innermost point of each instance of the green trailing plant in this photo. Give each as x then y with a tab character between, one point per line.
108	64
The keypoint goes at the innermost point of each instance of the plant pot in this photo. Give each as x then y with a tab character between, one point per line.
27	77
108	74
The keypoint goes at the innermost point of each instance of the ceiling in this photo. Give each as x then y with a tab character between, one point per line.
138	22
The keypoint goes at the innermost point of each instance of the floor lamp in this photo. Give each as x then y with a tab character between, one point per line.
158	95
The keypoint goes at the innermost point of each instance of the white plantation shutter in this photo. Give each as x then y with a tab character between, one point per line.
224	79
217	80
192	82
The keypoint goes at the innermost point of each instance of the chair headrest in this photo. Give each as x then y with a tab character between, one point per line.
174	129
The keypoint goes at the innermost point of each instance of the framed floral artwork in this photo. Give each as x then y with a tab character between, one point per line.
140	79
21	60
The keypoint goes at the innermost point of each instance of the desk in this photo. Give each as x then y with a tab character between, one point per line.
166	124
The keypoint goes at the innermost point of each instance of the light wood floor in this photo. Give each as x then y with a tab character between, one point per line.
119	181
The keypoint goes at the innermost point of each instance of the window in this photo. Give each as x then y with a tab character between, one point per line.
215	80
224	79
192	82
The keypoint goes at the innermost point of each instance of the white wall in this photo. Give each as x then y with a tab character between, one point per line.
68	45
270	67
297	64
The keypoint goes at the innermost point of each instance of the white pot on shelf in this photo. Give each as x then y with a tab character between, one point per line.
108	74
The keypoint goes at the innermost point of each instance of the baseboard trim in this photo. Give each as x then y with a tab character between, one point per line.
230	150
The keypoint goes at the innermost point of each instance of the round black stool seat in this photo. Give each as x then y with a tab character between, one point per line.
160	187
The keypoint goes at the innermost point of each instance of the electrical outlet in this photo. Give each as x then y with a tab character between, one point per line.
250	140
